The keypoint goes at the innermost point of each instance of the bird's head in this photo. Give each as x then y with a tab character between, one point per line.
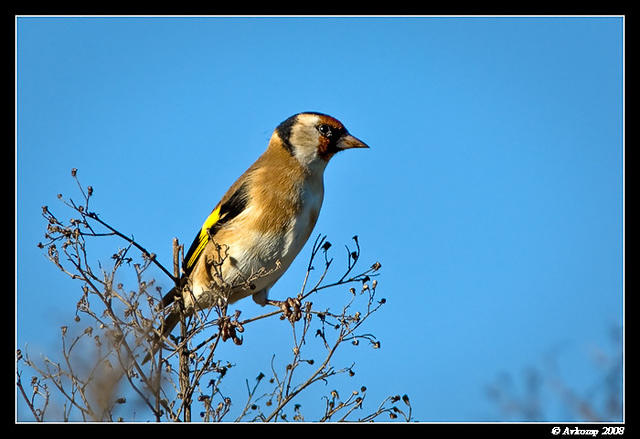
313	138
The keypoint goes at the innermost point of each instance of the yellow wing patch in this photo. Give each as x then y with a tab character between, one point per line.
202	238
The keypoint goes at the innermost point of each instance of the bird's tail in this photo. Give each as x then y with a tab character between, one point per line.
167	326
170	322
169	298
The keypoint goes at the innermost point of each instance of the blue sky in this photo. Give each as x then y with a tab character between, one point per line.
492	193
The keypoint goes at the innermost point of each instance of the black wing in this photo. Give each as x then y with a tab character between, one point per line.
221	215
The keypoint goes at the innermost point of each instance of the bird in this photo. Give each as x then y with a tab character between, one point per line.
262	222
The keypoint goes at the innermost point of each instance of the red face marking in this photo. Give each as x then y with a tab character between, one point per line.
327	143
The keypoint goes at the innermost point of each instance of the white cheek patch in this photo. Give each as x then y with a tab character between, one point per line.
305	140
305	147
306	156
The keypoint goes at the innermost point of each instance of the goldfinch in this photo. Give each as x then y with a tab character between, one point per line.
262	222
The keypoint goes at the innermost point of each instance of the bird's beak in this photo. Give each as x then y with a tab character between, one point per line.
348	142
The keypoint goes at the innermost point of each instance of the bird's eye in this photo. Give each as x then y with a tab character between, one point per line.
325	130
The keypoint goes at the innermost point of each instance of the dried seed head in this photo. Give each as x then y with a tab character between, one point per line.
74	171
90	190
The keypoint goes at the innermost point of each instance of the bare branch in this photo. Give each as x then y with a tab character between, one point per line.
189	377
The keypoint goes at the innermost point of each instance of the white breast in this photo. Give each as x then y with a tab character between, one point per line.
297	235
273	253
